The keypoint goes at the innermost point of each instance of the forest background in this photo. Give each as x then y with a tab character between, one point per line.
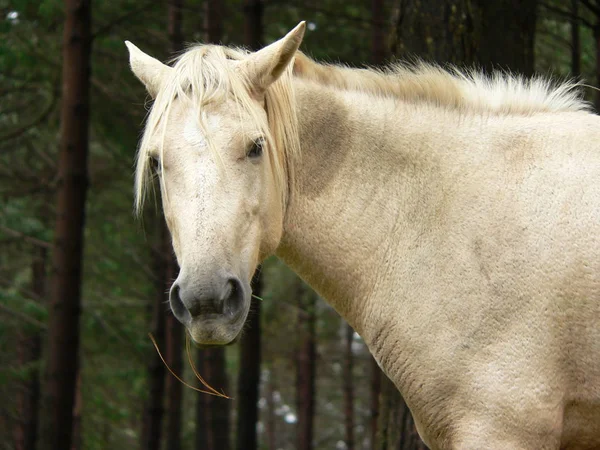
82	282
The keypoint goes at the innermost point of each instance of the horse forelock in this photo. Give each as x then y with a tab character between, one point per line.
205	74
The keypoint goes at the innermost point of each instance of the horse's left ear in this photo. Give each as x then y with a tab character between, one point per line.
267	64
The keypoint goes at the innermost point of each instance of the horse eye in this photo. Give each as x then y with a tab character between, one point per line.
155	163
256	149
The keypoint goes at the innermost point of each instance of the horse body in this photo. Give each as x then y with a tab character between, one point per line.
465	251
461	241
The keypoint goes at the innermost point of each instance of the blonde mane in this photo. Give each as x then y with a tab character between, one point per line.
204	74
468	91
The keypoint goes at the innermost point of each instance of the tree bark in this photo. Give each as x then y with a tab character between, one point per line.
249	374
65	303
378	44
77	408
153	408
174	329
508	35
213	21
376	376
349	387
306	366
29	353
495	34
212	413
253	26
575	40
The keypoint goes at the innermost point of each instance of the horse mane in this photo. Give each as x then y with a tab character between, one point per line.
469	91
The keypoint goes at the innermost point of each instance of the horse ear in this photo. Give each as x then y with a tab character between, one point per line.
147	69
266	65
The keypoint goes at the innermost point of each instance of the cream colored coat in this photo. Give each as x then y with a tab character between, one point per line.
458	231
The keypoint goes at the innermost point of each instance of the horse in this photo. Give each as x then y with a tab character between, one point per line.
452	218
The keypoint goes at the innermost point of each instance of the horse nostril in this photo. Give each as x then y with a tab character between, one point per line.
233	297
177	306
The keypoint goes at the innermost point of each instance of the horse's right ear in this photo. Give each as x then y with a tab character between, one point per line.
147	69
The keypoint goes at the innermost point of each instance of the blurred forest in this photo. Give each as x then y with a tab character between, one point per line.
82	282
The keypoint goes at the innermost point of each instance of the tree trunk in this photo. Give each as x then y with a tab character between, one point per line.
575	40
65	303
153	408
436	30
495	34
376	376
378	28
349	387
249	374
77	436
174	329
213	21
306	366
253	27
29	353
507	31
202	436
212	413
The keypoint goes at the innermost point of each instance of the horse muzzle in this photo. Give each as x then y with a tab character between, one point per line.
213	311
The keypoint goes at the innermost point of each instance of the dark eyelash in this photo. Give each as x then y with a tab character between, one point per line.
155	164
256	149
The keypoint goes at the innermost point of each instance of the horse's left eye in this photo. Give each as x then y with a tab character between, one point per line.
256	149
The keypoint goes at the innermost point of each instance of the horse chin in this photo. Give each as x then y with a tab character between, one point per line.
207	333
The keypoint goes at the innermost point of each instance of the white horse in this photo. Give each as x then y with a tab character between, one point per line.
453	220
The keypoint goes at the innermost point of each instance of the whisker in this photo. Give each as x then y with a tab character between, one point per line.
212	390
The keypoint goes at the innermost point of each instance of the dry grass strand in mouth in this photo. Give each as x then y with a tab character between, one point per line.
210	391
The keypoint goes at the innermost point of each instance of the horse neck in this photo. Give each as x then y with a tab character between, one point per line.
344	211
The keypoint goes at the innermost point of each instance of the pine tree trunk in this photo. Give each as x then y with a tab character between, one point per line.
212	413
65	297
507	35
348	383
202	432
306	366
29	353
153	408
213	21
174	330
376	376
575	40
77	408
249	374
253	27
378	32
